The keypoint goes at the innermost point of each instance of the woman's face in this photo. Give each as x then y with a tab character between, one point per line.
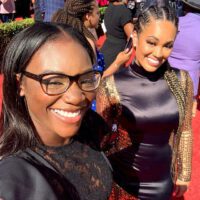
57	118
94	16
154	44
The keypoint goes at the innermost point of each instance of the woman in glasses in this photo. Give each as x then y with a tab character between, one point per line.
47	144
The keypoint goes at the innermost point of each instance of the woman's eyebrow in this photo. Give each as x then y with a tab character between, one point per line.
153	37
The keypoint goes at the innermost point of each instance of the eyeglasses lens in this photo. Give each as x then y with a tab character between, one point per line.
90	81
58	84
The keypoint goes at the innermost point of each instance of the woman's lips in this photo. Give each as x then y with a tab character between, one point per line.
67	116
153	62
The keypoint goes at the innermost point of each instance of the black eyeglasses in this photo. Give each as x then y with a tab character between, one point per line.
58	83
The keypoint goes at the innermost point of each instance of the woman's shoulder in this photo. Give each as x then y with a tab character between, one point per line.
181	73
183	78
19	175
13	165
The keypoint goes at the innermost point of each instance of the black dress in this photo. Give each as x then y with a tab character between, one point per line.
151	112
116	16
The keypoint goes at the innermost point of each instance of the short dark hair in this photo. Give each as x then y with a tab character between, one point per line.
155	12
16	128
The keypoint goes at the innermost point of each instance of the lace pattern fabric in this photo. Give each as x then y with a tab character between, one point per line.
84	167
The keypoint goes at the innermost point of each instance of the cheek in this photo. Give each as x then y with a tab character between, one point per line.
95	20
167	53
37	103
90	96
140	54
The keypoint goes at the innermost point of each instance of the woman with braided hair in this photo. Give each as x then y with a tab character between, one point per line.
149	107
84	15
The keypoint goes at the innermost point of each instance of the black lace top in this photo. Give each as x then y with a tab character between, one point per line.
83	165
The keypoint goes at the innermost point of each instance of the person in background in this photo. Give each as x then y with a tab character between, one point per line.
186	51
84	15
48	144
119	26
25	8
50	7
148	107
7	10
38	10
136	6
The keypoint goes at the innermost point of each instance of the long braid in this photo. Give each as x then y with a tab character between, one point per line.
73	13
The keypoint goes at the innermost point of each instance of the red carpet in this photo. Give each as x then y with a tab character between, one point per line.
194	189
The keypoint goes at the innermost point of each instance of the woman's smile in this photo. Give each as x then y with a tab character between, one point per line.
153	62
68	116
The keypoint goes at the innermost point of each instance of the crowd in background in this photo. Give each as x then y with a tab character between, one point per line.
43	9
137	142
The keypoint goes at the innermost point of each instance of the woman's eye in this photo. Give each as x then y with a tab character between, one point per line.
169	46
87	81
151	43
51	82
55	83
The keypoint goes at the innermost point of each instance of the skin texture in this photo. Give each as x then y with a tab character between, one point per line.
154	44
57	56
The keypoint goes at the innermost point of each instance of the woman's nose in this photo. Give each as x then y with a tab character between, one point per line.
158	53
74	95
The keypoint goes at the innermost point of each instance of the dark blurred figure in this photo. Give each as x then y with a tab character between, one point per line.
50	7
119	26
38	10
23	8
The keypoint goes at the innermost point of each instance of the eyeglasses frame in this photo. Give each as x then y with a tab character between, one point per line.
72	79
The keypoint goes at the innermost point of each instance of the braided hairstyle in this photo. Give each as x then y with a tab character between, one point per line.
73	14
157	13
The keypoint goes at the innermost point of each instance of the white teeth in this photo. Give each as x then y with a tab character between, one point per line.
156	62
65	113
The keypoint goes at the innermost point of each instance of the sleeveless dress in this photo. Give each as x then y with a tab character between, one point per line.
151	114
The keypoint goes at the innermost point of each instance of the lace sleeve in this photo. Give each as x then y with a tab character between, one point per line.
185	146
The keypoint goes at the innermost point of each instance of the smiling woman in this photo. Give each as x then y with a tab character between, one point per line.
151	104
45	132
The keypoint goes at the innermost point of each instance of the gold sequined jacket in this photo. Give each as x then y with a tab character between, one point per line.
109	107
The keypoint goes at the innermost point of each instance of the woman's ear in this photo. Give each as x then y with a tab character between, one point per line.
87	16
20	84
86	20
135	39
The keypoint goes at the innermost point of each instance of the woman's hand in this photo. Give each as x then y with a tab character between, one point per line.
180	188
121	59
